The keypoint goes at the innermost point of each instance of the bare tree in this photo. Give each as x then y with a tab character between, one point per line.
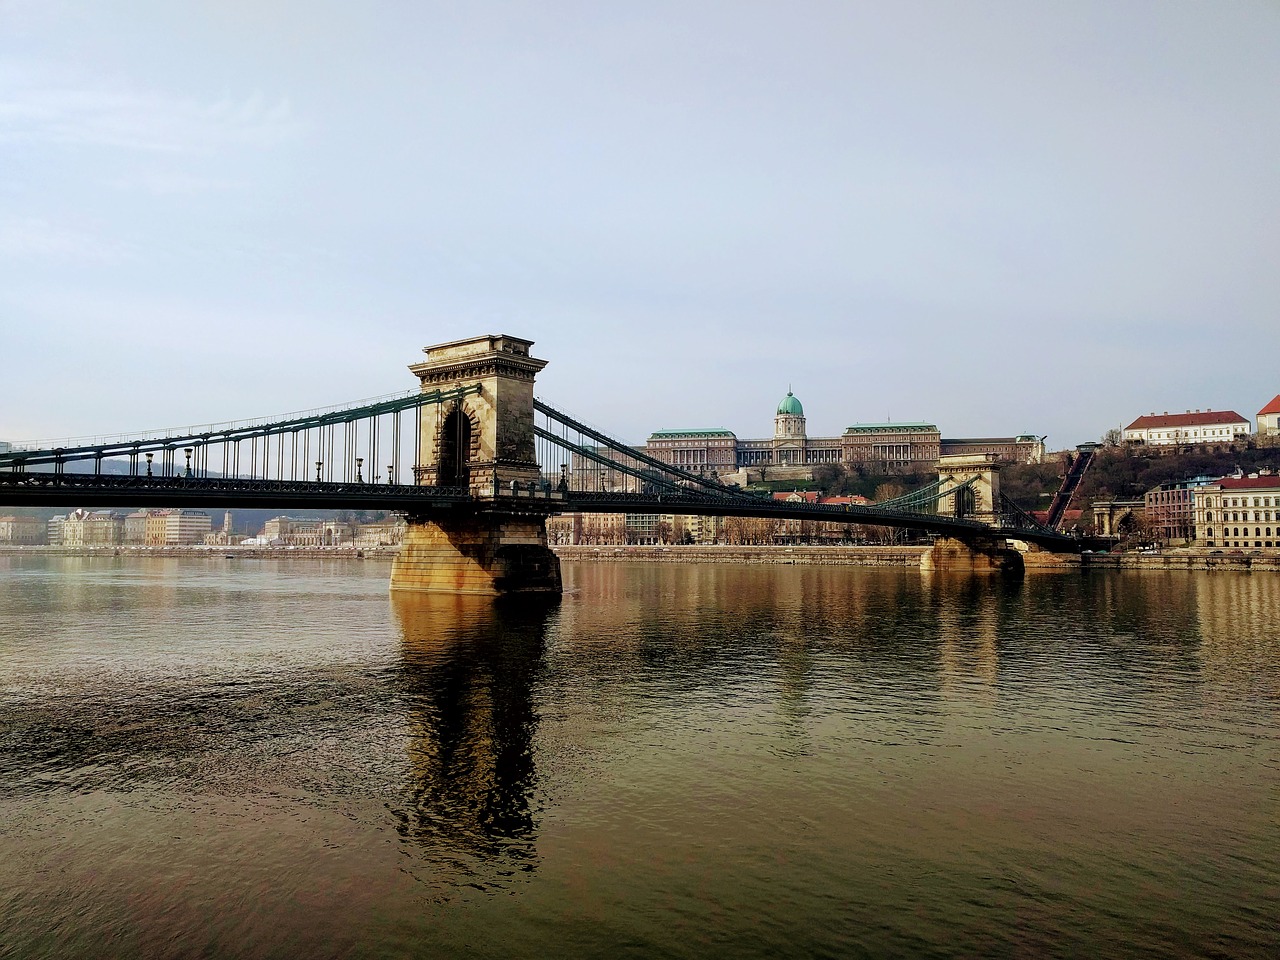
889	490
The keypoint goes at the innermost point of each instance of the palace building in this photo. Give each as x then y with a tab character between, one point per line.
791	451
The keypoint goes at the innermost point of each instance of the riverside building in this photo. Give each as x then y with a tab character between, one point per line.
1170	509
98	528
184	527
22	531
1239	512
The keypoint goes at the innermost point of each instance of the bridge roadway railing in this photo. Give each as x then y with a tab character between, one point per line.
335	443
106	490
71	489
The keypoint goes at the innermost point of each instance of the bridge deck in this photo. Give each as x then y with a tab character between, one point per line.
73	490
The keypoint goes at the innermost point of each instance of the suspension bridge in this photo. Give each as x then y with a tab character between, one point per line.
475	462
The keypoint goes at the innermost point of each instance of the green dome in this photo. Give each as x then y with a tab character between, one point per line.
790	406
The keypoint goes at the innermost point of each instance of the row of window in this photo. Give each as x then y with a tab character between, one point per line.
1236	516
1188	434
1169	496
1241	501
1235	532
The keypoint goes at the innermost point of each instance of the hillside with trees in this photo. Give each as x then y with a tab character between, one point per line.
1128	472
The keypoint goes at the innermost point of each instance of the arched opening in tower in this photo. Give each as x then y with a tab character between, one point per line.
455	448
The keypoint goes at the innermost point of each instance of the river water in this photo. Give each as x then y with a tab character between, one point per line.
241	758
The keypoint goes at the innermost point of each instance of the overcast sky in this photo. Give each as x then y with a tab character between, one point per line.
997	217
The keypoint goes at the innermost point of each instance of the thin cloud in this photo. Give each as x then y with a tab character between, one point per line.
169	183
42	110
35	238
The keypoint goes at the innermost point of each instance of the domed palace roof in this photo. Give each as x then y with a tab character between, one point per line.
790	406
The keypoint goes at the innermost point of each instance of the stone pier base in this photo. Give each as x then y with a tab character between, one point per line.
485	555
954	555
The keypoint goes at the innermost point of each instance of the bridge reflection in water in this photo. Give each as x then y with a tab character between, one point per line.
467	679
223	759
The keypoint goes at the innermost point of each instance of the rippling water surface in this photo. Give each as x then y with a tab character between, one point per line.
261	758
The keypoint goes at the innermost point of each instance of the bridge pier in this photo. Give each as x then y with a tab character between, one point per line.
482	442
482	554
986	556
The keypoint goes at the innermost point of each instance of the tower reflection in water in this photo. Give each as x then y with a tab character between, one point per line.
467	677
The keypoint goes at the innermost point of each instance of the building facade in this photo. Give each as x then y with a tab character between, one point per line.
1239	512
135	528
98	528
22	531
698	451
885	445
304	532
891	444
1170	509
1269	419
1184	429
155	526
184	527
293	531
225	537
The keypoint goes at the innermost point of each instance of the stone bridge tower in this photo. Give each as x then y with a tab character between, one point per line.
483	441
487	435
981	501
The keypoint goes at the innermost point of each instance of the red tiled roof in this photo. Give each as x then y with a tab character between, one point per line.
852	498
808	496
1272	407
1186	419
1250	483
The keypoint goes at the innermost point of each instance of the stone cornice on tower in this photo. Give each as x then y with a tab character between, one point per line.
494	354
